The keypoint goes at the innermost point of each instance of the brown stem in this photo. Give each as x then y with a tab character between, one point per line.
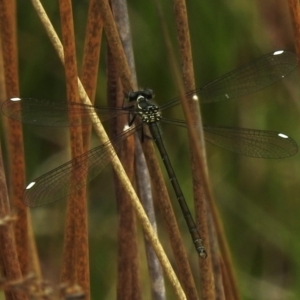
199	168
294	8
76	257
91	57
9	262
14	130
202	191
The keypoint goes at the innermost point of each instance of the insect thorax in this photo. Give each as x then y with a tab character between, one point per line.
148	111
150	114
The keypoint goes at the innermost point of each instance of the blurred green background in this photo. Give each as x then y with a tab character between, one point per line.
258	199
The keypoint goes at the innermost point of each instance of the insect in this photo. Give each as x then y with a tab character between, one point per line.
247	79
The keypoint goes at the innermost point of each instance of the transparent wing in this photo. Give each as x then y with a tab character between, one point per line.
251	142
63	180
56	114
245	141
245	80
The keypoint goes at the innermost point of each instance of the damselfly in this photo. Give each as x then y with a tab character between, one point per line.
247	79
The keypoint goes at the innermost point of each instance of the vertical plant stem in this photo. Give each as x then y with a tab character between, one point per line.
91	56
9	262
128	263
294	8
142	175
76	266
144	187
165	206
128	284
14	130
226	282
199	157
116	46
216	262
193	114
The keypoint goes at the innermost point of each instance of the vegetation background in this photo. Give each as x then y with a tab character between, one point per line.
258	199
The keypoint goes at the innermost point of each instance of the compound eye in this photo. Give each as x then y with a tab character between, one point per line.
148	93
131	96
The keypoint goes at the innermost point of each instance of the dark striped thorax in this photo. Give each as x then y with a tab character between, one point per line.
148	111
